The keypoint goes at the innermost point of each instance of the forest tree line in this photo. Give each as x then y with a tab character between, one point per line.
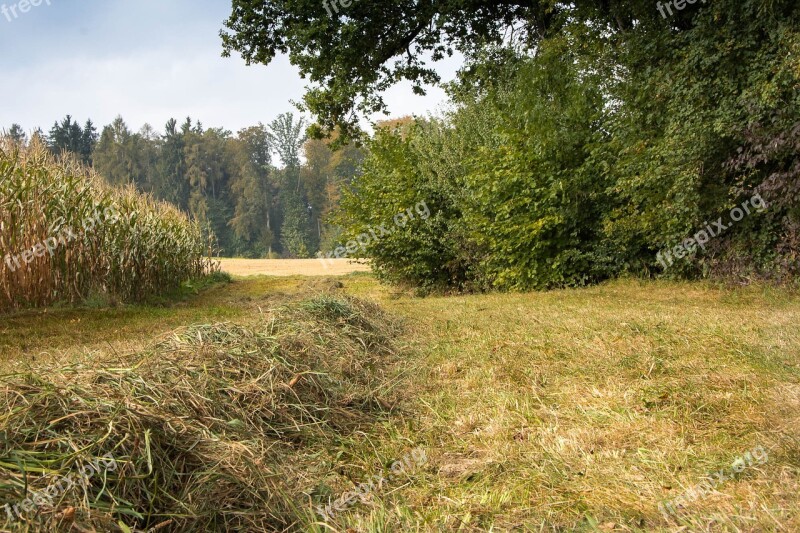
586	140
263	192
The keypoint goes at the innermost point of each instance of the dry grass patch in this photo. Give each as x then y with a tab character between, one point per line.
291	267
582	410
217	427
577	410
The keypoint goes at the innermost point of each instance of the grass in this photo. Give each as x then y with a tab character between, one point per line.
213	427
575	410
580	409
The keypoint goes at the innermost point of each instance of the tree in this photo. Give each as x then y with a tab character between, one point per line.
17	134
59	138
208	170
351	55
171	184
227	182
296	235
253	190
120	156
147	146
601	150
325	173
287	138
68	136
89	139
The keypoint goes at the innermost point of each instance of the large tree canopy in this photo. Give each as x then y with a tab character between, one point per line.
599	151
351	54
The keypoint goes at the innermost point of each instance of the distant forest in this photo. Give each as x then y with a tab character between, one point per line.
263	192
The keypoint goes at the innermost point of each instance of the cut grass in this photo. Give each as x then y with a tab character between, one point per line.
70	334
216	427
576	410
584	409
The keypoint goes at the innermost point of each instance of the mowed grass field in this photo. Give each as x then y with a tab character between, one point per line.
574	410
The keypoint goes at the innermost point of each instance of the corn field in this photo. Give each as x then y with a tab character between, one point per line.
66	236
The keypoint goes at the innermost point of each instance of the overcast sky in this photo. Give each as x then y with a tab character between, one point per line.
147	60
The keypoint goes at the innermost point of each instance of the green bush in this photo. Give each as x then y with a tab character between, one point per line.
582	160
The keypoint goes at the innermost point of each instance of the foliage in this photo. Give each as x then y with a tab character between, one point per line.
536	198
16	134
690	101
227	182
582	159
296	230
401	171
352	54
68	136
254	192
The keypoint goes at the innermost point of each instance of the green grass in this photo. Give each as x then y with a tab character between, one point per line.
574	410
67	334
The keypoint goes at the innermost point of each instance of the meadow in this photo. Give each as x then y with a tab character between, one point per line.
250	405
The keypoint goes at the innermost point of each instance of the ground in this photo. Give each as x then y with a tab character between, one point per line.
560	411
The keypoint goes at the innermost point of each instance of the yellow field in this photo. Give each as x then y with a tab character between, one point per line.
291	267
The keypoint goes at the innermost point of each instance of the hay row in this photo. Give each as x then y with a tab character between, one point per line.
216	428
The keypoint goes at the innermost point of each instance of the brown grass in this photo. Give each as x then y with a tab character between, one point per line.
216	427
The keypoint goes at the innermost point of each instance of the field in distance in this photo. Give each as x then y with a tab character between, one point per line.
291	267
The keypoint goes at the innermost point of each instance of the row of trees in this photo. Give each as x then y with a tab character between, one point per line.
228	182
586	137
582	157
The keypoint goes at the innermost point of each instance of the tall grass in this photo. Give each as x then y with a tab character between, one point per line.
145	248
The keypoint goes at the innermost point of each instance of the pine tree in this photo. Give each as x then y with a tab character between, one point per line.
17	134
88	141
172	184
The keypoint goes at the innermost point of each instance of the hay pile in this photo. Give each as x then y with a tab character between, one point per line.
218	427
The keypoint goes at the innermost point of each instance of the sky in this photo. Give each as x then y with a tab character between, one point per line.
147	60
